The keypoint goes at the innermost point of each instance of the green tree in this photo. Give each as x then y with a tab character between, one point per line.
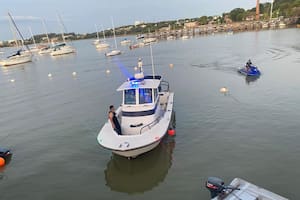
237	14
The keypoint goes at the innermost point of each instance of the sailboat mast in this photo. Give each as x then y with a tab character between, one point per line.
114	33
97	32
44	25
103	31
14	33
32	36
13	22
271	11
62	27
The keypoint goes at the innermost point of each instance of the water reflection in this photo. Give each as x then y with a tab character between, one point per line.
250	79
143	173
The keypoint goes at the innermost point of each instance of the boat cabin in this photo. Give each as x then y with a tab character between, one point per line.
140	105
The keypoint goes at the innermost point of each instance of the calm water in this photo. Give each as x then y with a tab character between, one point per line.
253	133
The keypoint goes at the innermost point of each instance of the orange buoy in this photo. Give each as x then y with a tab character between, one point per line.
2	162
171	132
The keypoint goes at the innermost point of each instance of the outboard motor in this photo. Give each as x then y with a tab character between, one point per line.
5	153
215	186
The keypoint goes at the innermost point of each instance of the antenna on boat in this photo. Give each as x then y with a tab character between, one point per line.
151	54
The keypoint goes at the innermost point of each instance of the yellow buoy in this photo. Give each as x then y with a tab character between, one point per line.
12	80
107	71
49	75
74	74
2	162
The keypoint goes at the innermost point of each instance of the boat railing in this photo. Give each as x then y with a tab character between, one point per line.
164	86
150	125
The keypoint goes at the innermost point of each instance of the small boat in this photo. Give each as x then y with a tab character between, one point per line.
137	45
171	37
144	116
125	42
249	70
238	189
45	50
102	45
19	57
140	36
62	49
148	41
185	37
113	53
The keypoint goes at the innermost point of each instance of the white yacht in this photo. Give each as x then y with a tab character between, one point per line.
19	57
61	49
144	116
238	189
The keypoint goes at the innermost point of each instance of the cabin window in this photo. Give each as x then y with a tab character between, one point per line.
145	95
155	94
129	96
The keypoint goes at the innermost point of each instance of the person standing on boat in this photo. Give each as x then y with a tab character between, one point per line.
140	65
114	120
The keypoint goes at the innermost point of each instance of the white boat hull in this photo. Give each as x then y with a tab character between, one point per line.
62	51
15	60
102	45
113	53
135	152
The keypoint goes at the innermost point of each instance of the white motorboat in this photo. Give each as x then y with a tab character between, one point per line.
62	49
238	189
144	116
19	57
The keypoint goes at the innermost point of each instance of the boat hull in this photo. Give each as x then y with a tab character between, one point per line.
16	60
113	53
135	152
62	51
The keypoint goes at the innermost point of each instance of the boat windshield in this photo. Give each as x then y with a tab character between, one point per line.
145	95
129	96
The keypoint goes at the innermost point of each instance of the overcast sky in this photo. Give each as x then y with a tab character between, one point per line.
81	16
